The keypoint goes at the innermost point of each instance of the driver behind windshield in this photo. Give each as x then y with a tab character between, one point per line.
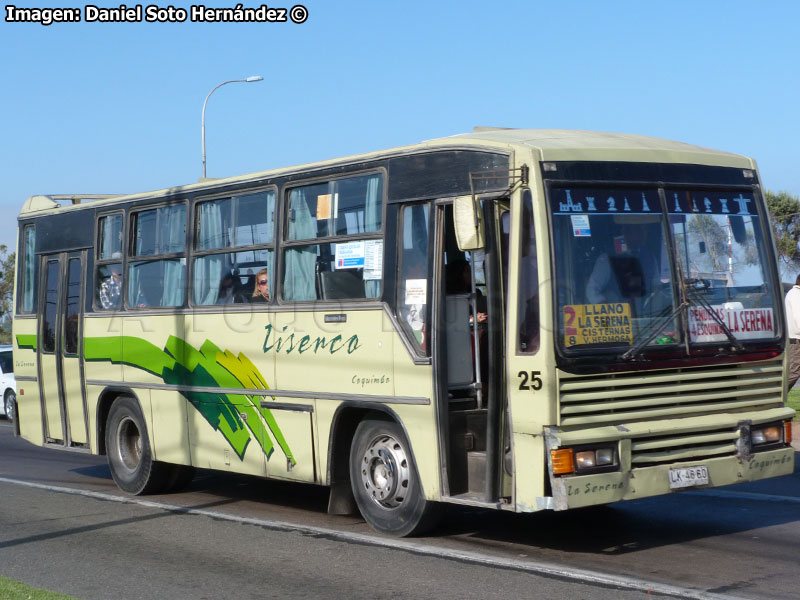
630	273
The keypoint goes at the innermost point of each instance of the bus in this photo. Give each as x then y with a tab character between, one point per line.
519	320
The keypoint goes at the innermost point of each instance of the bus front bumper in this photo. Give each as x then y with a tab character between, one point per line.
575	491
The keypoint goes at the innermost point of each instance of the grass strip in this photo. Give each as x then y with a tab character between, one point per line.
14	590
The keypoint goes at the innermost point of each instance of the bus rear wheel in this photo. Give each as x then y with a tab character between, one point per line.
130	457
385	481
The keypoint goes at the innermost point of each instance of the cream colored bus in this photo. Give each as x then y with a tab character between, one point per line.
509	319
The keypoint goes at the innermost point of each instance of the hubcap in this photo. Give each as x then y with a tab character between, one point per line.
384	471
129	444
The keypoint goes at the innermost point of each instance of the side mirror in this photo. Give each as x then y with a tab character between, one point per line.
738	229
468	224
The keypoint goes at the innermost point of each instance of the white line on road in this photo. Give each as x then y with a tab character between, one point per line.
534	567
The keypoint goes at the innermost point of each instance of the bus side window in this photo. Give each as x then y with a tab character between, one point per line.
412	285
153	281
28	270
108	270
528	309
235	239
340	267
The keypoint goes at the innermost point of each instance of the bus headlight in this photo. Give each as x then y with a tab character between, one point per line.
771	434
584	460
599	457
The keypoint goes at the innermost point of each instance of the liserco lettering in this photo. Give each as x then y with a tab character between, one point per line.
288	343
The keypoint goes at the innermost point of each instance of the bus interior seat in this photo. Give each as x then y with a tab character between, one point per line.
340	285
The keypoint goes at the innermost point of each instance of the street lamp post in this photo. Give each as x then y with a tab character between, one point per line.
203	120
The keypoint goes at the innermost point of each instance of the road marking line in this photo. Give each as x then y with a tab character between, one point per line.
533	567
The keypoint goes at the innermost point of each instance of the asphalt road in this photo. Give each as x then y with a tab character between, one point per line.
64	526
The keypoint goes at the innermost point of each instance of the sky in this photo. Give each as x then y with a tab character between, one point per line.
116	107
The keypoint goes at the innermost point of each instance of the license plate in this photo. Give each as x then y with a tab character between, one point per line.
688	477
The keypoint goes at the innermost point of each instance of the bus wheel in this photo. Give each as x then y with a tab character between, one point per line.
179	477
129	455
9	405
385	482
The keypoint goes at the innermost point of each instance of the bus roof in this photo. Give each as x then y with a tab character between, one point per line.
546	145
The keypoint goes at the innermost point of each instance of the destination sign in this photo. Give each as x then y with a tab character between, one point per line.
597	324
744	323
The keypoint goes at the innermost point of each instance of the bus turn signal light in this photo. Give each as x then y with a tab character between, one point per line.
787	432
562	461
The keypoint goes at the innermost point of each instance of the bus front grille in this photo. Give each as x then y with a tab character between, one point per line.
685	447
619	398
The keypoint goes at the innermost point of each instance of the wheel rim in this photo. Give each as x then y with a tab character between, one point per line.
10	407
129	444
384	471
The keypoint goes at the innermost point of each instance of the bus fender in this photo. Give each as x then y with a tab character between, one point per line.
104	402
343	426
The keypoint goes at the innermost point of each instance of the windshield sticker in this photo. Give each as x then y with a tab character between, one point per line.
713	203
580	226
597	324
744	323
350	255
614	202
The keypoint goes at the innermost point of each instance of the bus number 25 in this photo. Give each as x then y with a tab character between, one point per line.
534	380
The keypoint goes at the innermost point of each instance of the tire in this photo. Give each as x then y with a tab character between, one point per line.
179	477
129	455
385	482
10	405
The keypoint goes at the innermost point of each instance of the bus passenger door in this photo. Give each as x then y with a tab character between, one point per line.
60	370
469	317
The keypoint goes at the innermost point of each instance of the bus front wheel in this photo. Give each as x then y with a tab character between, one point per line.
129	455
385	481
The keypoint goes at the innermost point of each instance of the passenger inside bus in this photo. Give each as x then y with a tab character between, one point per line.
261	291
227	291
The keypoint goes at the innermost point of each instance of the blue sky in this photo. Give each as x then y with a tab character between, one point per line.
115	108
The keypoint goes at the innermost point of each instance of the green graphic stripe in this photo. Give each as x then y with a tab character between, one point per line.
26	342
181	364
249	377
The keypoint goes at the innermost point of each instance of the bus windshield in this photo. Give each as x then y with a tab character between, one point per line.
622	282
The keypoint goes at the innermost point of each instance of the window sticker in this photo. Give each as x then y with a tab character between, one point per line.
580	226
323	207
350	255
597	324
416	291
373	259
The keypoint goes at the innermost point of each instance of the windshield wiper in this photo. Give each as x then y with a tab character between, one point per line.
691	286
652	331
691	296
